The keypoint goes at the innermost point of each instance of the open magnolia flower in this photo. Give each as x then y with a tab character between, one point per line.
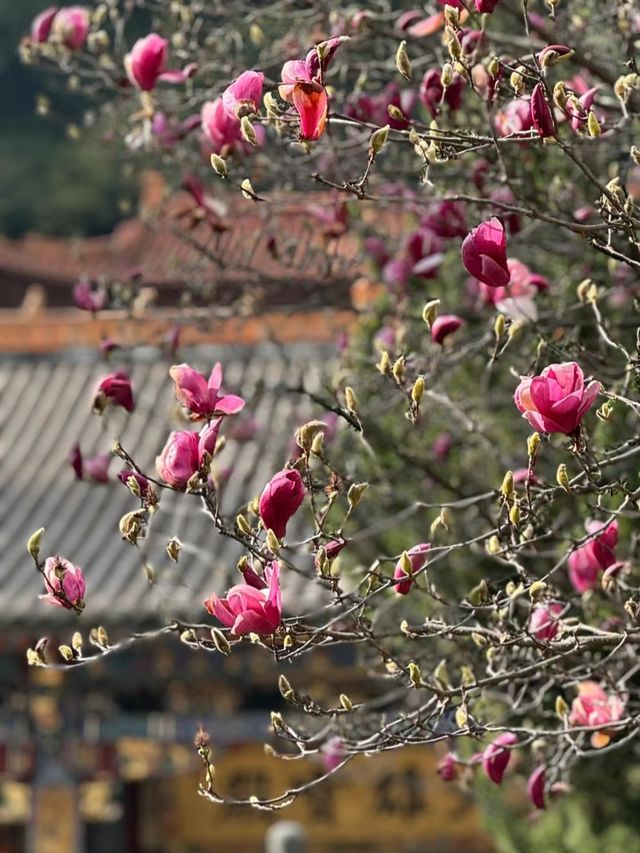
303	86
558	399
247	609
593	706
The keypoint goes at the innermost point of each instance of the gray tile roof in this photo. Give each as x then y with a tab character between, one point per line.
45	405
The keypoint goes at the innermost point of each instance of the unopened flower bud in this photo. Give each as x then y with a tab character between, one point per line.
174	546
398	369
219	165
247	132
562	477
430	311
66	652
479	594
499	326
355	493
417	392
593	125
256	34
560	95
517	82
384	365
276	721
403	64
562	709
287	641
396	113
506	489
536	589
76	642
308	432
494	66
350	399
533	443
462	718
514	514
415	676
247	190
346	703
635	155
33	544
272	542
446	76
493	545
285	688
378	140
243	525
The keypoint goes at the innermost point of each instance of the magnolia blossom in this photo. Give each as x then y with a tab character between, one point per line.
497	755
201	397
71	25
557	400
248	610
541	112
280	500
433	94
115	389
593	706
146	64
515	117
447	768
41	25
128	476
535	787
418	559
185	453
445	325
517	299
544	621
243	96
484	253
223	131
486	5
333	753
595	556
447	219
64	583
303	86
88	296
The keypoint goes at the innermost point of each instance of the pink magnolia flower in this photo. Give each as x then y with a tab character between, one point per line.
333	753
484	253
447	768
541	112
535	787
374	108
280	500
41	25
243	96
447	219
202	398
486	6
418	559
88	296
433	94
247	610
71	26
514	117
96	467
76	461
557	400
184	454
146	64
517	300
593	706
497	755
544	621
222	131
115	389
64	583
445	325
596	555
303	86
